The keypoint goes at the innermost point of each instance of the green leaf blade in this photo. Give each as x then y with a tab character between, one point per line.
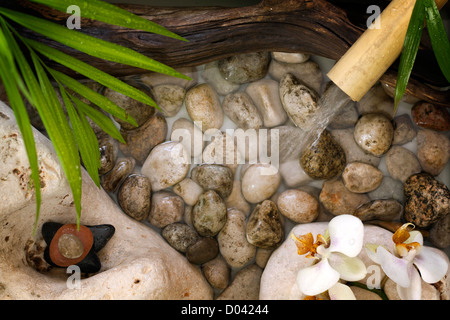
409	53
438	37
90	45
109	13
91	72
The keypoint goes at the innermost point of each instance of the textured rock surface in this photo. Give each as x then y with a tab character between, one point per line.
136	263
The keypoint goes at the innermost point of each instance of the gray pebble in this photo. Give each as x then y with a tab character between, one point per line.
402	163
167	207
180	235
244	68
386	210
209	214
214	177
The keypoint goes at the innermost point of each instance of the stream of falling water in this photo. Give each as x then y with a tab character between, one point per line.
332	102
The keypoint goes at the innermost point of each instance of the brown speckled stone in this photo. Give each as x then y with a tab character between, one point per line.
324	159
426	200
427	115
264	228
134	196
209	214
374	133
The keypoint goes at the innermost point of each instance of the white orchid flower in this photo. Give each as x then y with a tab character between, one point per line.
409	251
336	256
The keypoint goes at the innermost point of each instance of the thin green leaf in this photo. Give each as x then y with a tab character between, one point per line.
91	72
82	139
92	96
93	141
89	45
12	90
60	133
438	37
106	12
102	120
410	47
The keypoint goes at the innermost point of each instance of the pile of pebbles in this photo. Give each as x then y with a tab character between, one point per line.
227	218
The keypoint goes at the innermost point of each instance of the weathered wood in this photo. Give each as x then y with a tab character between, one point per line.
311	26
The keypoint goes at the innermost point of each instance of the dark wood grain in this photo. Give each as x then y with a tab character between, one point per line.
316	27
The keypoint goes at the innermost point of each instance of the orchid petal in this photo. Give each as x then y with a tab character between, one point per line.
415	236
371	251
414	292
395	268
346	235
432	265
341	292
317	278
349	268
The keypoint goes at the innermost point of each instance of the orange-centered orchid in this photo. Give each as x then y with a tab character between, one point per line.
410	262
335	256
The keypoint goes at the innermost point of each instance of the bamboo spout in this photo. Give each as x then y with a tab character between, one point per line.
374	52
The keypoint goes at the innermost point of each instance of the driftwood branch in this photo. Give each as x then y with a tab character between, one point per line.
317	27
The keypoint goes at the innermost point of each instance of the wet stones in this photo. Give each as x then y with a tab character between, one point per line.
140	141
214	177
361	177
166	208
239	107
264	228
386	210
260	182
134	196
300	103
233	244
137	110
209	214
374	133
402	163
430	116
433	151
169	98
324	159
204	250
180	235
265	94
109	149
122	168
244	68
337	199
426	200
166	165
298	206
203	106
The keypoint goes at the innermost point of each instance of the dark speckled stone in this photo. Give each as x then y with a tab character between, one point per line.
426	200
264	228
324	159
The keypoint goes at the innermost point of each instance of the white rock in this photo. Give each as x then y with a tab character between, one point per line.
237	200
260	182
211	74
131	268
184	131
189	190
290	57
245	285
166	165
265	94
239	107
278	281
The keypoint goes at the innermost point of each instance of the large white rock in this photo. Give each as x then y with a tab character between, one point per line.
278	281
136	263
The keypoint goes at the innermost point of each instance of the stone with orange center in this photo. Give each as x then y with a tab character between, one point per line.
69	245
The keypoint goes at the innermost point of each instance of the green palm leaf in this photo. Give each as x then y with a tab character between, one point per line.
91	72
89	45
106	12
438	37
410	47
